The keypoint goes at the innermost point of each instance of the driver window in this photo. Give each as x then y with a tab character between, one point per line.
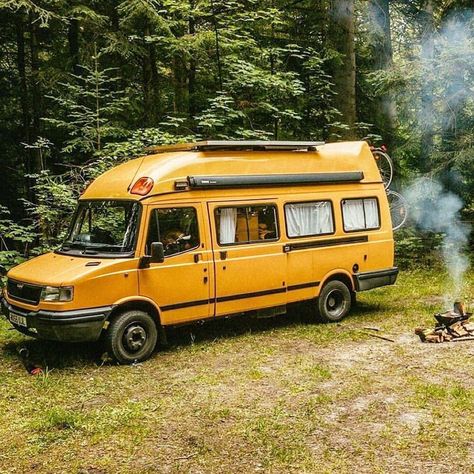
175	227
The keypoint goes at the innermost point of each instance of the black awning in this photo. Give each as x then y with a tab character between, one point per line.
237	181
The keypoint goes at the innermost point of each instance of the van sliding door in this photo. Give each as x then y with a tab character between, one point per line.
250	266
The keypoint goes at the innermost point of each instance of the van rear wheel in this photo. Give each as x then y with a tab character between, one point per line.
334	302
131	337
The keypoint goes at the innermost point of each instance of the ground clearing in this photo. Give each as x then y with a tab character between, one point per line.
248	395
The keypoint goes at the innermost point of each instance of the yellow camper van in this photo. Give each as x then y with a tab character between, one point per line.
203	230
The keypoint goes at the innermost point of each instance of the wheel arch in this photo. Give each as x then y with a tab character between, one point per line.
142	304
341	275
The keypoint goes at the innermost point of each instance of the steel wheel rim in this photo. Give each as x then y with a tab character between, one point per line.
335	303
134	337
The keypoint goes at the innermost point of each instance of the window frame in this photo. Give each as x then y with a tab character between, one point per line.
259	241
153	209
330	201
78	253
365	229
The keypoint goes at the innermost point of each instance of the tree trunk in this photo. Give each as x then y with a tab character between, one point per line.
192	65
385	110
73	40
341	40
25	111
427	104
179	83
455	116
150	83
36	102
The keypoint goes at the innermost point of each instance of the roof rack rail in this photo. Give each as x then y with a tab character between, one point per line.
254	145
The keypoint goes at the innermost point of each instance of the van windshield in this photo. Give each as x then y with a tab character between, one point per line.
103	227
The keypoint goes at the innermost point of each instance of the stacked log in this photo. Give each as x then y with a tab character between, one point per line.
451	326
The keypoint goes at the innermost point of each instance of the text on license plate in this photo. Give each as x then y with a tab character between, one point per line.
18	319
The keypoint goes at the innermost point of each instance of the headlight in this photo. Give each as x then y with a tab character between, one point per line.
53	293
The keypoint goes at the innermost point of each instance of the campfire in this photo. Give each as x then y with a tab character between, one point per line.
451	326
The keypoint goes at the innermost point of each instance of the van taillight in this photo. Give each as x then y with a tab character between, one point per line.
143	186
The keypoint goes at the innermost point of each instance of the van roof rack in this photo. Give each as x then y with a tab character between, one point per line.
254	145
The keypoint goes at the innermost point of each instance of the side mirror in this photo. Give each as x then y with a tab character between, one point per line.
157	252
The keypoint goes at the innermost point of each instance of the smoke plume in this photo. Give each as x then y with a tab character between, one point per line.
437	210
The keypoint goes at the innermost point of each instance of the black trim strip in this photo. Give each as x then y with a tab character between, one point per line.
240	296
325	243
251	295
238	181
311	284
76	320
187	304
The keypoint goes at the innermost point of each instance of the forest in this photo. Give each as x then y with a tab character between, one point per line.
87	84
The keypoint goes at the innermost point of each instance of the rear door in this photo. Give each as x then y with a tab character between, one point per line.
182	286
250	265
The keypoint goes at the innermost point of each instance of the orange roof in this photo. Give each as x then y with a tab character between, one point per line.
168	167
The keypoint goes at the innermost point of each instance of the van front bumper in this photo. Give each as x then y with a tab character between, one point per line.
68	326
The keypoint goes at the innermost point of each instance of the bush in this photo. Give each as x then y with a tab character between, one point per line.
414	248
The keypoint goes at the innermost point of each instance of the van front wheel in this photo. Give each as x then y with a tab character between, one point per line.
334	302
131	337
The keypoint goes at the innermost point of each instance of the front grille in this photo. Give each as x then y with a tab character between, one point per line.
25	292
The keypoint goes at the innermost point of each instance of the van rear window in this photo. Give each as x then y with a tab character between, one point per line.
360	214
244	224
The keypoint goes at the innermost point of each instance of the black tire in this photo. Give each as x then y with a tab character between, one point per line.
334	302
353	298
131	337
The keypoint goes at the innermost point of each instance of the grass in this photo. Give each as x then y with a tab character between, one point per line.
249	395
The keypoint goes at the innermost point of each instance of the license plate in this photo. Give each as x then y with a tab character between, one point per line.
18	319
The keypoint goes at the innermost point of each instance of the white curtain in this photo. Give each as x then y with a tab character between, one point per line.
353	214
309	218
227	225
371	214
360	214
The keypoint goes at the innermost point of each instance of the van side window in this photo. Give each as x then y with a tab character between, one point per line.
175	227
304	219
245	224
360	214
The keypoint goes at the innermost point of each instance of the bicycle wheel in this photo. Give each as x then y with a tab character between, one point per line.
398	209
385	166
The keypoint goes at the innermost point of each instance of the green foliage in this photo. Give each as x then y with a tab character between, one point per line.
90	109
15	238
55	201
414	249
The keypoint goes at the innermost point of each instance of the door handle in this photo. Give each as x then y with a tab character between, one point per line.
197	257
205	279
223	254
